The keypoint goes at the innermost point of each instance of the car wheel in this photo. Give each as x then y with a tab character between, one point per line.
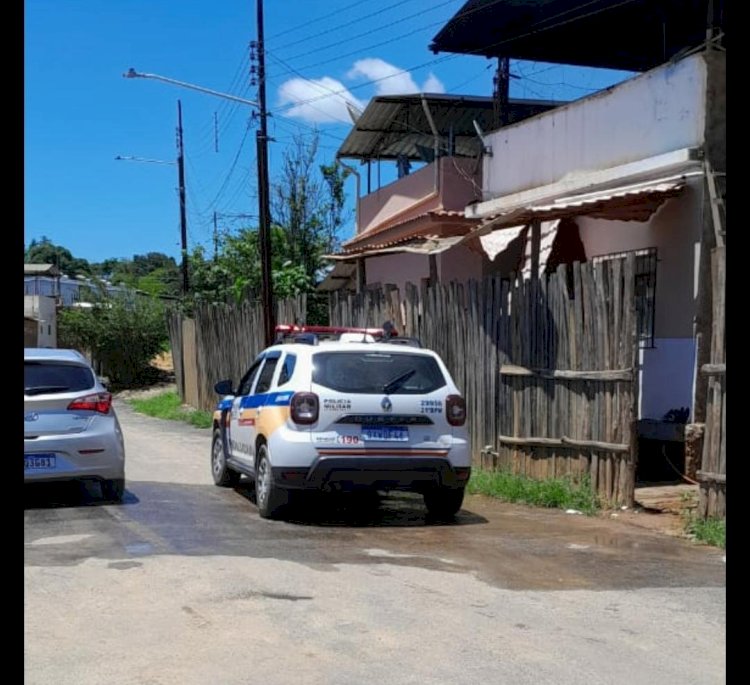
444	503
223	476
269	496
113	490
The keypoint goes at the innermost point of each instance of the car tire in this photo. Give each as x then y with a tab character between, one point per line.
269	496
113	490
224	477
444	503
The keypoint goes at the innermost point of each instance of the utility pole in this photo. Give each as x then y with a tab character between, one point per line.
264	231
183	219
216	239
501	83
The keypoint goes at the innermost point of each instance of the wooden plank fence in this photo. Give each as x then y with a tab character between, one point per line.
547	366
713	473
218	342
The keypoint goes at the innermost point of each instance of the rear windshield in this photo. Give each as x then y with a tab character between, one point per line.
377	372
50	377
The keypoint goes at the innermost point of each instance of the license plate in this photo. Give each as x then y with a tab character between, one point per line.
38	462
385	433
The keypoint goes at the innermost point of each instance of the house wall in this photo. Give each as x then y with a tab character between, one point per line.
43	309
654	113
666	373
416	193
460	264
398	269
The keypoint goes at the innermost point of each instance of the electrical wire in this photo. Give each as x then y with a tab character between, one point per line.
364	34
306	24
357	20
445	58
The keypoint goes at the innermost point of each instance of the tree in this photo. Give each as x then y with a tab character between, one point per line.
308	213
44	251
122	334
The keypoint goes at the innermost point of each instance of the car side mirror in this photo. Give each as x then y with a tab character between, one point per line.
224	388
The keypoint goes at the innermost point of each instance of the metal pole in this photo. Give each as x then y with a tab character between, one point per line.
183	218
261	137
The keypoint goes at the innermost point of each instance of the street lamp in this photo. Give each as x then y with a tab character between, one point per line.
264	231
181	180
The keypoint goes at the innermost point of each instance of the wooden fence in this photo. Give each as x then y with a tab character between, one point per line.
548	367
713	473
218	342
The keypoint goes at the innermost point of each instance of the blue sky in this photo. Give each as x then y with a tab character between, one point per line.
80	113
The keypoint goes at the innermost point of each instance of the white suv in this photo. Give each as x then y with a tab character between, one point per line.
347	414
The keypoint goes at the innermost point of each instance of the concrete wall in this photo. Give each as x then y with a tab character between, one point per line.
675	231
654	113
43	309
415	194
460	264
398	269
667	369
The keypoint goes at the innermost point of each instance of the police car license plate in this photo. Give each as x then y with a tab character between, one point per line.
385	433
38	462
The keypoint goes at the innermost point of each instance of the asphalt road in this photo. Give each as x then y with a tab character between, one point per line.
184	583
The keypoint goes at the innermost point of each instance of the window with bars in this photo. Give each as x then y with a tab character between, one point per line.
645	290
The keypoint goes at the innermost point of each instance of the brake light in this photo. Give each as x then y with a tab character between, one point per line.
99	402
305	408
455	410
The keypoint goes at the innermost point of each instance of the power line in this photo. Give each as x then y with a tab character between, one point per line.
362	49
306	24
445	58
358	20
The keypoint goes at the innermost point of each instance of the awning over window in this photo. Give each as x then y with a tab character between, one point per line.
625	203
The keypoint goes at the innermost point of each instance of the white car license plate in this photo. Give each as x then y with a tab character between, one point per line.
38	462
385	433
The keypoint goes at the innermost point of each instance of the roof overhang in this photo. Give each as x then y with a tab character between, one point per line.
641	173
420	245
394	126
630	35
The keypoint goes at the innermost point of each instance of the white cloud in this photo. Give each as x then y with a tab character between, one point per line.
433	85
326	107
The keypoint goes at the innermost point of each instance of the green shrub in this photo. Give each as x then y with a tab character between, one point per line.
122	335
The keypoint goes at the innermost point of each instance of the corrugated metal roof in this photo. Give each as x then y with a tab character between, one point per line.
40	270
395	125
624	203
424	245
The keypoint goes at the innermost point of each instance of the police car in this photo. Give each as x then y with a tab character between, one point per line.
342	409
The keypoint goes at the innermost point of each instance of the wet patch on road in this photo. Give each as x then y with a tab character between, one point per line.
509	546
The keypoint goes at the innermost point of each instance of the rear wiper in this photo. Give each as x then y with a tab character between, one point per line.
42	389
396	383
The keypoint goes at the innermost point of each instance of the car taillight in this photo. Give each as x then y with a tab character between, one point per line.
99	402
305	407
455	410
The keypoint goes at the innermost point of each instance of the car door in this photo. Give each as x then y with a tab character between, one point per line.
249	406
241	419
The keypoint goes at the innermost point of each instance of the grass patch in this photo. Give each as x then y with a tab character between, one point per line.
169	406
560	493
711	531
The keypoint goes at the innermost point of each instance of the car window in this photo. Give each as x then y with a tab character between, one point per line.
287	369
266	375
55	377
377	372
246	383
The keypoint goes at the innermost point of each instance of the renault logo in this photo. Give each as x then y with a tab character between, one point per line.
31	416
386	404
